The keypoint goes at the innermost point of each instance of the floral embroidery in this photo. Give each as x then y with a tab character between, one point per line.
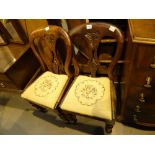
45	85
88	92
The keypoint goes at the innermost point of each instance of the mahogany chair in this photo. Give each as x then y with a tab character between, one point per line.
52	47
94	95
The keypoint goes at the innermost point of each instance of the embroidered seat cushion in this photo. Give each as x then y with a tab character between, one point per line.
46	89
89	96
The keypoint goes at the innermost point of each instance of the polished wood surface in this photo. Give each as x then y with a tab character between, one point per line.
33	24
18	64
10	54
16	74
74	22
46	40
106	47
23	70
139	74
88	40
142	30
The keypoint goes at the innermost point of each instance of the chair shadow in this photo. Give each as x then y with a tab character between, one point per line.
3	101
87	128
48	117
14	101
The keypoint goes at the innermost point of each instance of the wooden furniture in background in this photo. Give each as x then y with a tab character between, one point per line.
30	25
72	23
138	97
17	66
14	31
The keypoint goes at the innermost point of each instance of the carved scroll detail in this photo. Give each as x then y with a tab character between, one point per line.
93	38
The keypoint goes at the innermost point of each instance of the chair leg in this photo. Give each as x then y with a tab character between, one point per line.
67	117
63	117
72	118
108	126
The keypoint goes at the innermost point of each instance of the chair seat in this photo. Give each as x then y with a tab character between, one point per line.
89	96
46	89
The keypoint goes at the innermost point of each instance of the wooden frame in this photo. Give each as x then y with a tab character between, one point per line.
3	35
3	40
15	31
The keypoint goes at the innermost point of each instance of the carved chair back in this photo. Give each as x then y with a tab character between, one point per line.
87	37
52	47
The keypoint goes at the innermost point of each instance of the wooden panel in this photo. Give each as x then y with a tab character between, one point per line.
10	54
142	30
134	96
30	25
139	78
144	57
18	63
7	85
23	24
138	99
75	22
23	70
142	119
33	24
145	120
120	23
3	77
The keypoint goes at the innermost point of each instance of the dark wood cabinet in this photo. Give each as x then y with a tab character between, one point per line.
18	66
138	90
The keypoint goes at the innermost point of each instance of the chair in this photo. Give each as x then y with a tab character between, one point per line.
52	47
94	95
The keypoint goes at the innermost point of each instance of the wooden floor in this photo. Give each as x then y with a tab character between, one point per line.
18	117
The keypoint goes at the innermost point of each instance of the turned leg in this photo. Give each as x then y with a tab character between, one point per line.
108	126
67	117
72	118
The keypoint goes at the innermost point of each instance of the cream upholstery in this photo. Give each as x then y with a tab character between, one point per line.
89	96
46	89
